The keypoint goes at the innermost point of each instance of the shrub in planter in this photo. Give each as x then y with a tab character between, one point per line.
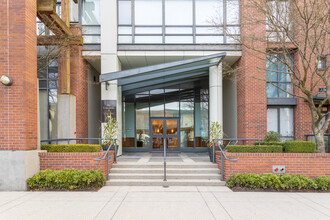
269	143
71	148
283	182
272	136
254	148
299	147
67	179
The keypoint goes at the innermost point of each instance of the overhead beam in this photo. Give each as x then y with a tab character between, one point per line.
134	91
53	40
144	77
163	80
46	12
132	72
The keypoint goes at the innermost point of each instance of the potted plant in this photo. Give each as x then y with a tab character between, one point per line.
215	133
110	132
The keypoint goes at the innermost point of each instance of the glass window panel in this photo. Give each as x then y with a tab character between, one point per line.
286	121
157	143
209	39
272	119
209	30
148	30
233	30
91	30
148	12
209	12
233	39
124	12
271	66
92	39
172	109
202	124
172	143
171	127
178	30
91	12
124	30
128	125
156	109
272	91
187	124
174	14
142	125
178	39
232	12
124	39
157	127
287	87
148	39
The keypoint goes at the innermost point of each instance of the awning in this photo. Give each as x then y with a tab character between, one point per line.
161	75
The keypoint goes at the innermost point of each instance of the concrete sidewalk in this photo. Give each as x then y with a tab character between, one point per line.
164	203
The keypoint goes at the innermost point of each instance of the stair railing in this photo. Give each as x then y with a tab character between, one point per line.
106	155
165	159
222	155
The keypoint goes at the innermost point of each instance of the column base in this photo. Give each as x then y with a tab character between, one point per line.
16	167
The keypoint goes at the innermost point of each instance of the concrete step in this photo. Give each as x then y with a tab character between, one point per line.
161	176
161	165
168	170
169	182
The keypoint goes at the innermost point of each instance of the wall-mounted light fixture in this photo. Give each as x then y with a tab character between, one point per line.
6	80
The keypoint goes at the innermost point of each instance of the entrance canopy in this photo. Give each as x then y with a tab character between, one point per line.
158	76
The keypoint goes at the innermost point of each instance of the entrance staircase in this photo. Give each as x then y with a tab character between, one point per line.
152	174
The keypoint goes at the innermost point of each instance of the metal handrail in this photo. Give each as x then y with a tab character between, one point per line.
106	155
235	140
165	159
222	155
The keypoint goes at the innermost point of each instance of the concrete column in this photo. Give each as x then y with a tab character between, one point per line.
110	91
66	116
215	94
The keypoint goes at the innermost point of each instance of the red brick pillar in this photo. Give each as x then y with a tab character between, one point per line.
251	93
18	59
79	86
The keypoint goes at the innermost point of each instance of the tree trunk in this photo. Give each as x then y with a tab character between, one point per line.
319	139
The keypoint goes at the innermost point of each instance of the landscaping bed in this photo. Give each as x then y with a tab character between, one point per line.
275	183
66	179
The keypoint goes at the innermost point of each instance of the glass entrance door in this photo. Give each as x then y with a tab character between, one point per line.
161	129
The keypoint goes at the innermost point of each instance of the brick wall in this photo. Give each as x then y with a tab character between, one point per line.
68	160
18	52
308	164
78	84
251	93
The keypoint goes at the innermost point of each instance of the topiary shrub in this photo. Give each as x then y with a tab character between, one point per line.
273	136
71	148
299	147
278	182
269	143
67	179
255	148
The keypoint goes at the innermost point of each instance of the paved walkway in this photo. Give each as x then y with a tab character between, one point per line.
200	203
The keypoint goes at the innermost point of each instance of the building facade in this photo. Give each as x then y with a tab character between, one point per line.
129	35
165	69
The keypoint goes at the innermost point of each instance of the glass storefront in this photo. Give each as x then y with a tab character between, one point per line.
177	114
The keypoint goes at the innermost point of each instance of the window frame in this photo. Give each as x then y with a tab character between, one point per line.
224	38
278	82
279	120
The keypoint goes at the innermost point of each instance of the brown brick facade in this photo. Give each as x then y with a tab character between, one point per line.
308	164
59	161
18	52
